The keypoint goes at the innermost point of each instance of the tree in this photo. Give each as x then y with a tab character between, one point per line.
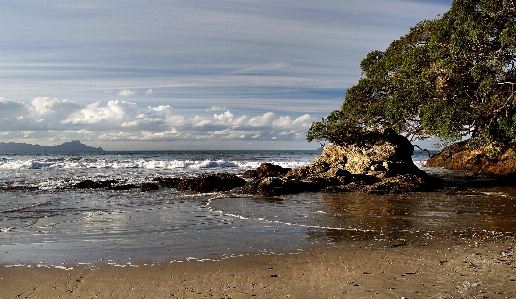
443	79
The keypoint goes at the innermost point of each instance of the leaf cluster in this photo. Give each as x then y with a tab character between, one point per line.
442	79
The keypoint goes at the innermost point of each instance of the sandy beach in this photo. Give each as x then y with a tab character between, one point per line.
473	268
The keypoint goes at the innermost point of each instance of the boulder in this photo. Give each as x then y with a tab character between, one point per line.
375	154
485	161
375	162
266	170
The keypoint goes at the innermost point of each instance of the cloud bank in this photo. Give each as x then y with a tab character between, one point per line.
126	121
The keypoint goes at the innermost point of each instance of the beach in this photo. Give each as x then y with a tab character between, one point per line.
63	242
480	267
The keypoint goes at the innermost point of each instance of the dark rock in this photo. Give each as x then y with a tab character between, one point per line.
211	182
269	186
86	184
266	170
168	182
399	184
321	173
149	187
123	187
488	161
109	184
90	184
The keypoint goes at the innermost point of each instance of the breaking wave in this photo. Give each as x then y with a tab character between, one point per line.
13	164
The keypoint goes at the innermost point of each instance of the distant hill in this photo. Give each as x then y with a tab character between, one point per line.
71	146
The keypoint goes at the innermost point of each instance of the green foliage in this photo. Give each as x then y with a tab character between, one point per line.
441	80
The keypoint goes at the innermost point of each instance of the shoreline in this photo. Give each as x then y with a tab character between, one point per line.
482	267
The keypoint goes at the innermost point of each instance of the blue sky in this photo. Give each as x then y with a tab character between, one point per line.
162	74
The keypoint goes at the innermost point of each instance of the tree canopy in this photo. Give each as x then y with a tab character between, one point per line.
447	78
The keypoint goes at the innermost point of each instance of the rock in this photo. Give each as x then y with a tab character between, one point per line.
168	182
149	187
400	184
379	155
266	170
269	186
211	182
375	163
90	184
322	173
480	162
123	187
86	184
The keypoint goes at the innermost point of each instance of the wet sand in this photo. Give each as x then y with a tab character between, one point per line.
481	267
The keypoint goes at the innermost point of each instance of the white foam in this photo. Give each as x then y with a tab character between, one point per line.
13	164
242	217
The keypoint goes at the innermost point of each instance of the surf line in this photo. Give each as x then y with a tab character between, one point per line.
231	195
17	209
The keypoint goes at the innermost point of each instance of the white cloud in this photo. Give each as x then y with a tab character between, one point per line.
54	109
263	120
126	93
122	120
225	117
286	121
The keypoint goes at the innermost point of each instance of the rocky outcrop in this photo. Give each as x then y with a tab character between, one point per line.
211	182
374	154
202	183
168	182
375	163
480	161
90	184
266	170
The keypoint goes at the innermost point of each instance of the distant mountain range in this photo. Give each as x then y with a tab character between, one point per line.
71	146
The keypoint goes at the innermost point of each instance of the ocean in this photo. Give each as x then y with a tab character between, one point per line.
44	221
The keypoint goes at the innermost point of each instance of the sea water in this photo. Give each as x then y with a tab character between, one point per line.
44	220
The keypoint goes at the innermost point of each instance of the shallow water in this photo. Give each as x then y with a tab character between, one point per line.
355	216
111	226
122	227
44	221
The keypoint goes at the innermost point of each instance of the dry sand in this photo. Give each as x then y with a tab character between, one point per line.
467	269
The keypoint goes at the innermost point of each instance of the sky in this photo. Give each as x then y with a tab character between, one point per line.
176	75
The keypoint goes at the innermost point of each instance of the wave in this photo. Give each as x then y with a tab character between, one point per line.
13	164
